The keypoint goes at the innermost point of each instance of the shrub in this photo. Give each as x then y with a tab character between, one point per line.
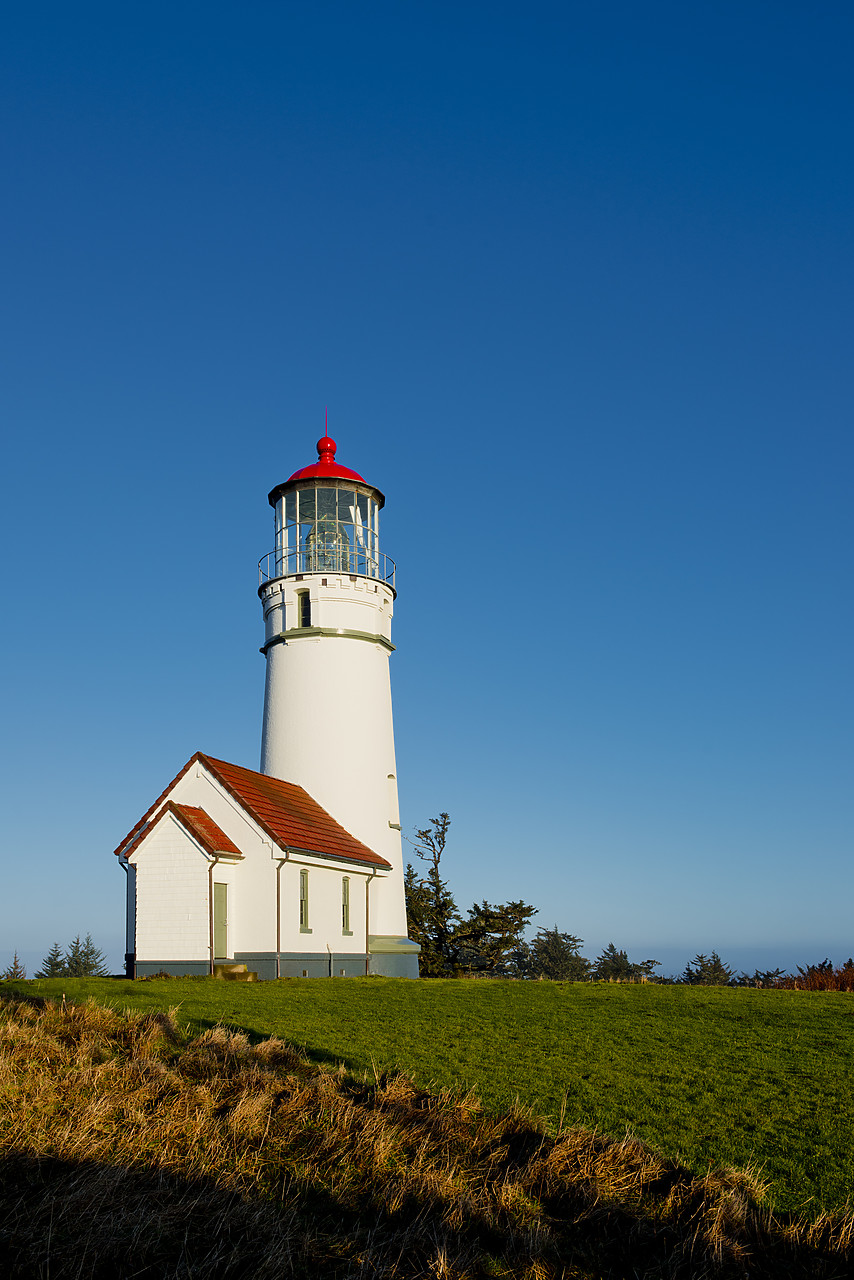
821	977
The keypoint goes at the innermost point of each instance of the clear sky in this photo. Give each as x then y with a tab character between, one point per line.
575	282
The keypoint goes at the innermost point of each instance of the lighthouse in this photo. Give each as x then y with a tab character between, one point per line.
328	592
296	870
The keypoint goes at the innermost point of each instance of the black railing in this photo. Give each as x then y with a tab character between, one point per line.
309	557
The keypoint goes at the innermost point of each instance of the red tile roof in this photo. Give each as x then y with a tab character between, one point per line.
287	813
202	826
199	824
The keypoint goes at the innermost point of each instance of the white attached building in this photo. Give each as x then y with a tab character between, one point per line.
296	870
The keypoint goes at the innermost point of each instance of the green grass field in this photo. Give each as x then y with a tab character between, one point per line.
703	1075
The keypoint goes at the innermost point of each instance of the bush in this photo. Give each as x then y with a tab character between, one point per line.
821	977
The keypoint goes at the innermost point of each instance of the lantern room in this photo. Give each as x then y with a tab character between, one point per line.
327	520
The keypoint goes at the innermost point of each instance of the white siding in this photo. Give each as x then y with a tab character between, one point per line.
172	896
324	908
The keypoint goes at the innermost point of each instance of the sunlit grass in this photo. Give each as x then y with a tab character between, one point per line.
706	1076
128	1147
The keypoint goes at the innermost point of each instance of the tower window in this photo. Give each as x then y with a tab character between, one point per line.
345	906
303	609
303	902
393	810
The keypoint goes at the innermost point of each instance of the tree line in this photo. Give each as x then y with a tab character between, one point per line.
488	941
80	959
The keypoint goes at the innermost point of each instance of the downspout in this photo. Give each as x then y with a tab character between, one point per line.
211	907
126	869
368	922
279	864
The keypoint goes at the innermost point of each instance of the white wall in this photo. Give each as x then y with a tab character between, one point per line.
358	604
328	718
172	921
324	908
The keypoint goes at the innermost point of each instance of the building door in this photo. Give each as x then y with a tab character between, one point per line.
220	921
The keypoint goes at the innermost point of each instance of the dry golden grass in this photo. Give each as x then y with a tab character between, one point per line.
130	1152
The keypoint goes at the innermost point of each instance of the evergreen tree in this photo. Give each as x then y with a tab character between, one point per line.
482	943
612	964
615	965
708	971
768	977
759	978
430	907
557	956
72	959
487	940
53	965
15	970
94	960
84	959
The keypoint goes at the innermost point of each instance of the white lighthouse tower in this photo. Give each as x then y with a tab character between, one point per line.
328	595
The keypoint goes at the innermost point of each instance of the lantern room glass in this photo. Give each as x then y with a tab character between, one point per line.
327	529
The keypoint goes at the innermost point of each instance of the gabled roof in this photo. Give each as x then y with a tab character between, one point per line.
284	811
200	825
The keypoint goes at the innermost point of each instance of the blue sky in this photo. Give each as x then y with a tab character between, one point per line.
575	282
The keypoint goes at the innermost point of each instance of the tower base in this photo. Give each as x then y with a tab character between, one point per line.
392	957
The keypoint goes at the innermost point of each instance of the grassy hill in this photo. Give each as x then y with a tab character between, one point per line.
131	1149
705	1076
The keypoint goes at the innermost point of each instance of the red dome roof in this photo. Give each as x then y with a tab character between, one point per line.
326	468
